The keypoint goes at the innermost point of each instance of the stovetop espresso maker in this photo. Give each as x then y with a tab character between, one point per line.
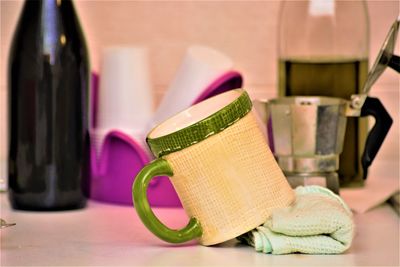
306	133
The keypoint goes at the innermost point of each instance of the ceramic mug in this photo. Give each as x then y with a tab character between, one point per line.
221	167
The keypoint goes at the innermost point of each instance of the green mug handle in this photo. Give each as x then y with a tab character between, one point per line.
139	194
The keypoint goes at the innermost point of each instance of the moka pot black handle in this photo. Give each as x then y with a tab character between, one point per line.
373	107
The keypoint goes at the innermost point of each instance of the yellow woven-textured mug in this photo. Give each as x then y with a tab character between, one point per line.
221	168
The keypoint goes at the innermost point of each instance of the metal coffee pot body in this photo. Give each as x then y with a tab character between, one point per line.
306	133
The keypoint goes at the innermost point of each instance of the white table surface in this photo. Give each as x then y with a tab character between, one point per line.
112	235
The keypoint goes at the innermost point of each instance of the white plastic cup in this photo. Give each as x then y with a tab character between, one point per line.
125	93
200	67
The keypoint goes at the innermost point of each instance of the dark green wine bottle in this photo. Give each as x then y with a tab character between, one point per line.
48	108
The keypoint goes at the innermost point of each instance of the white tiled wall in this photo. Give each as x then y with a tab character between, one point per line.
244	30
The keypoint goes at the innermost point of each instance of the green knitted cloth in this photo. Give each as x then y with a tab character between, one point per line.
319	222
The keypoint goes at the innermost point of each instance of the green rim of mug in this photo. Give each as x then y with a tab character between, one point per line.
201	130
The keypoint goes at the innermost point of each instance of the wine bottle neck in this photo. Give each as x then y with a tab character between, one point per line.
50	18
